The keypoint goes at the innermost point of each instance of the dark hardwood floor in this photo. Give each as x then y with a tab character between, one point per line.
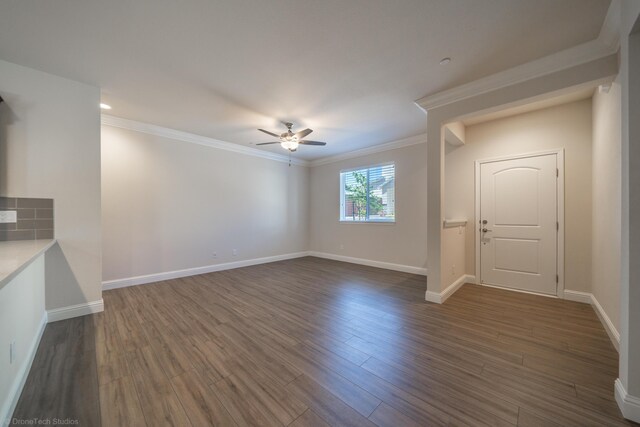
313	342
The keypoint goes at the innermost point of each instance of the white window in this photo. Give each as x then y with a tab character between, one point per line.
368	194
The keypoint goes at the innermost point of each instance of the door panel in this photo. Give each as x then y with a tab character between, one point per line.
517	255
518	201
513	206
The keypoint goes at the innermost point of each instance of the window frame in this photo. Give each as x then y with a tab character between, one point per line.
366	221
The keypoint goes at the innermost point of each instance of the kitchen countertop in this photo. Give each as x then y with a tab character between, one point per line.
16	255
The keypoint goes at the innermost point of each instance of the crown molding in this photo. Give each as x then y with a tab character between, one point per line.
610	32
606	44
394	145
178	135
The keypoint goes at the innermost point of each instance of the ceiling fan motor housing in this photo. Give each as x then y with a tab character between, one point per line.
290	140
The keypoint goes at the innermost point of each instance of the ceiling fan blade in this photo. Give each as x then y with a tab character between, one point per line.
268	143
269	133
312	143
303	133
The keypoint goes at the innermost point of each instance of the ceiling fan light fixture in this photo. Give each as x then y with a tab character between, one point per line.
289	143
289	140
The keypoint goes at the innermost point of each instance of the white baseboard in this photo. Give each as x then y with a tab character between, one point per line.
441	297
176	274
75	310
21	378
371	263
629	405
588	298
613	333
577	296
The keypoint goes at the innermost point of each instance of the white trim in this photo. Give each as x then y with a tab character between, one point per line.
522	155
369	221
178	135
476	219
577	55
441	297
341	217
433	297
578	296
77	310
371	263
168	275
610	31
451	138
561	221
611	330
377	165
394	145
18	383
452	223
560	211
629	405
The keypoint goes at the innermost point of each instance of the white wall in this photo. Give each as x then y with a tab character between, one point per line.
606	227
403	242
169	205
50	148
566	126
22	319
453	254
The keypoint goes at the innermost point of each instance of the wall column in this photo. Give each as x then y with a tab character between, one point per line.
628	384
435	192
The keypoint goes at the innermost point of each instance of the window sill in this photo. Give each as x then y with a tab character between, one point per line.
368	222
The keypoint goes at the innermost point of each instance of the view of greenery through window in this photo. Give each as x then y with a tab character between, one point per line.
368	194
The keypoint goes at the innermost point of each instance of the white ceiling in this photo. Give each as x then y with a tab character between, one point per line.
349	69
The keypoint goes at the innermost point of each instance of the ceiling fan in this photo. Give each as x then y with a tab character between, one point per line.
290	140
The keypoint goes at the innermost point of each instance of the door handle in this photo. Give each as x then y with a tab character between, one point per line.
484	230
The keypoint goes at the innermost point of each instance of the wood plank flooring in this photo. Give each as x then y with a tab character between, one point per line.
313	342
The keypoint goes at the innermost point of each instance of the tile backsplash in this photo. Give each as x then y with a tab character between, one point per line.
34	219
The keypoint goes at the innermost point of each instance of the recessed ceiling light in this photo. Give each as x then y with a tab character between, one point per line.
445	61
105	106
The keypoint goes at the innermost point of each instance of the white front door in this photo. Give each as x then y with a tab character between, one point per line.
518	222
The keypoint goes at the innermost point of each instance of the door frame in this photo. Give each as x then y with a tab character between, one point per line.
560	207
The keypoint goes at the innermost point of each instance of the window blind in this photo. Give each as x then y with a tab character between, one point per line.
368	194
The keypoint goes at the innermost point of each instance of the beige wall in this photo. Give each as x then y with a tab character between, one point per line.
566	126
169	205
606	235
453	254
401	243
50	148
